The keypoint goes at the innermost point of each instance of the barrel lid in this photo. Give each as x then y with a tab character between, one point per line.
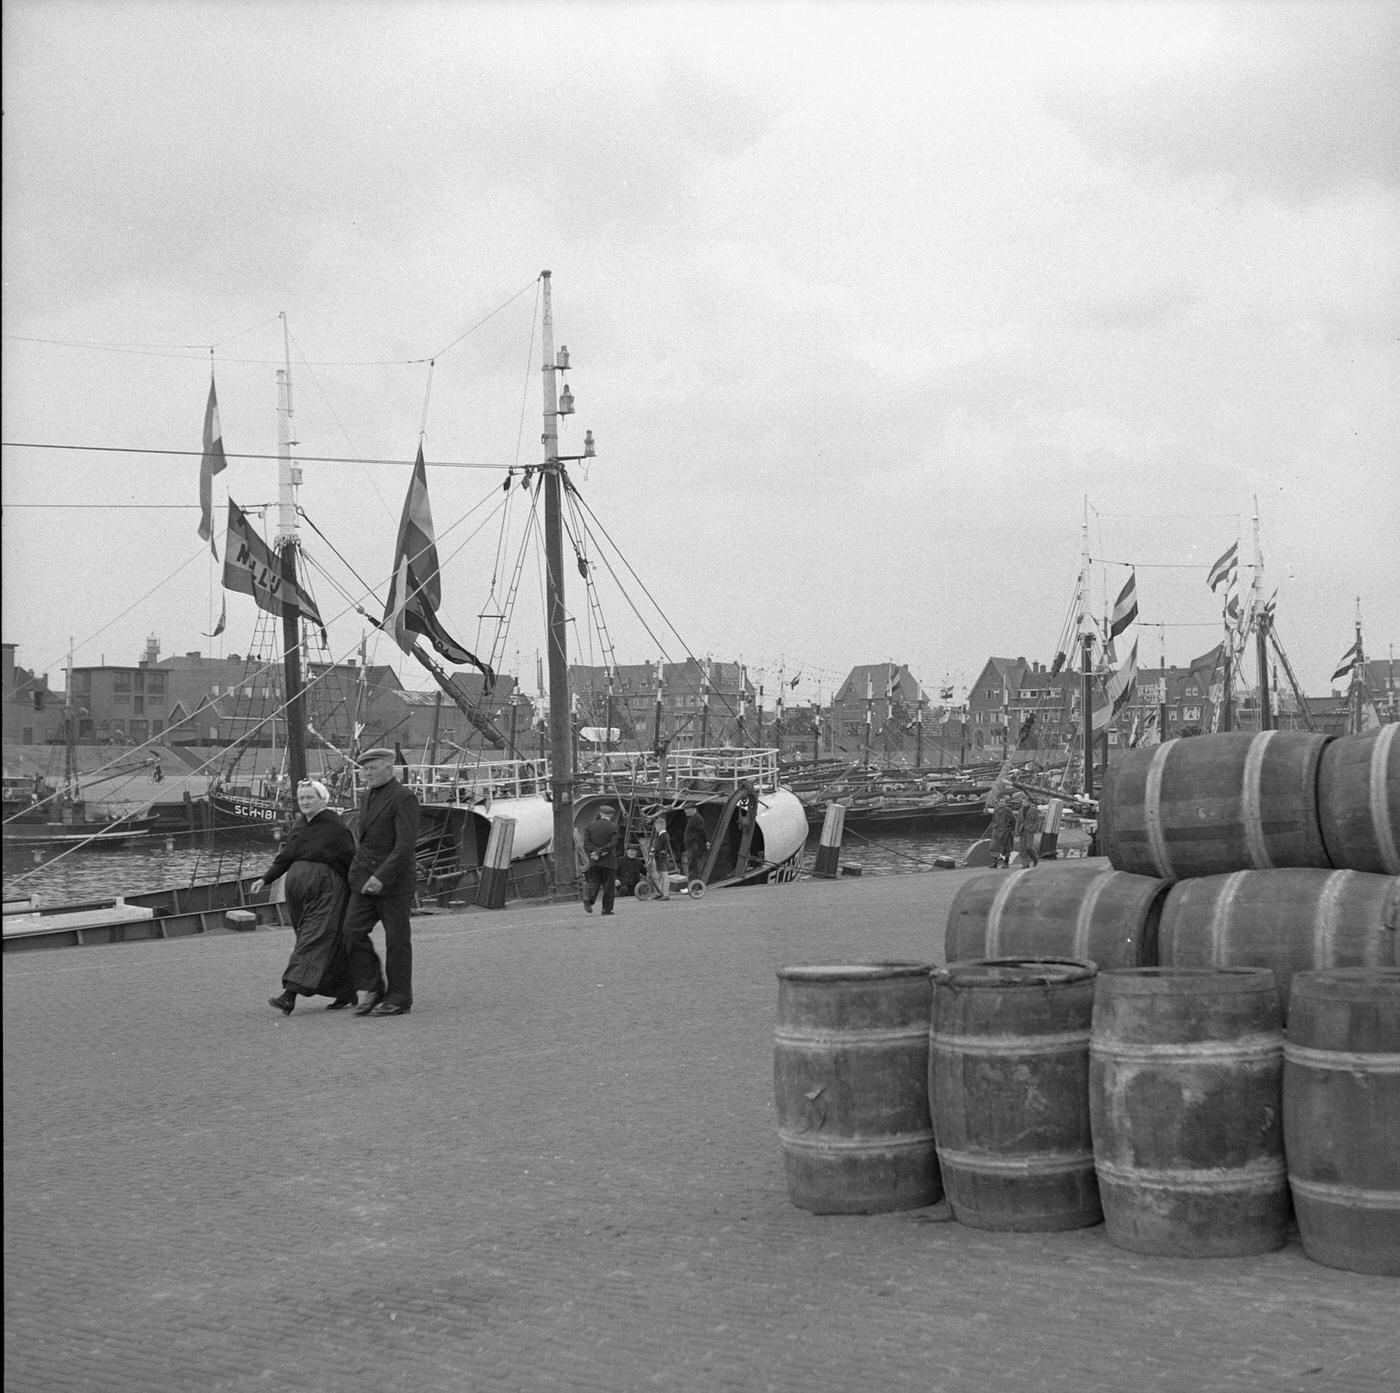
853	972
1015	972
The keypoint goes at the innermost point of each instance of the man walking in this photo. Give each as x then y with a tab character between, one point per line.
381	889
600	840
1029	820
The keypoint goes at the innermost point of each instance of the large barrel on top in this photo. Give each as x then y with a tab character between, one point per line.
1341	1116
1358	800
1215	803
1289	921
1057	911
1009	1093
850	1075
1185	1096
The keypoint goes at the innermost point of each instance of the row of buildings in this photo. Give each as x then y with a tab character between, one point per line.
881	713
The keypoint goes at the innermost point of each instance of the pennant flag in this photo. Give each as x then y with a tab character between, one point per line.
945	694
415	591
223	619
213	462
1125	608
892	688
251	568
1267	611
1349	661
795	680
1118	690
1224	569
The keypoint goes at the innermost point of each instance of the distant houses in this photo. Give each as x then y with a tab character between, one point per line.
881	713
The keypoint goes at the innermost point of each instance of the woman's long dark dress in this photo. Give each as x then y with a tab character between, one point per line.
316	860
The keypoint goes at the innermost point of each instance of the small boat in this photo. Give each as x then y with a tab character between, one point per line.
756	827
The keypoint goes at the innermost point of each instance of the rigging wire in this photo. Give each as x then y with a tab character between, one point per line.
234	454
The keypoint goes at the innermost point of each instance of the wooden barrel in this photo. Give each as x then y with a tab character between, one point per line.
850	1074
1009	1093
1358	800
1341	1116
1215	803
1185	1097
1289	921
1058	910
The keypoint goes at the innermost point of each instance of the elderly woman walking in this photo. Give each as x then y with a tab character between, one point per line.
315	857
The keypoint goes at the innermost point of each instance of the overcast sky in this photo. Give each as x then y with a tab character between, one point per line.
870	308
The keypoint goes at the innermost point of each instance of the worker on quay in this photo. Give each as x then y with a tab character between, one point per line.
1003	831
1030	818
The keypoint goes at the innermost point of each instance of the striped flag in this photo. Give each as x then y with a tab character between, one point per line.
1267	611
415	590
211	463
1224	570
1118	691
1125	608
1350	660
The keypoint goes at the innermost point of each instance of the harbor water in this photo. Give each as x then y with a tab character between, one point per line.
159	862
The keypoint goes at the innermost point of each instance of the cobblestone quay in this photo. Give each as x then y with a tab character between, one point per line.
560	1172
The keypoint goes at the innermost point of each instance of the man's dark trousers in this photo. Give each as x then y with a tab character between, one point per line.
601	880
361	915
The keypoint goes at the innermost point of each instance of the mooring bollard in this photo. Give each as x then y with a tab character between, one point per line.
829	851
495	873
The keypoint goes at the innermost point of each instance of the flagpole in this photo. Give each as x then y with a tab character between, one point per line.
561	767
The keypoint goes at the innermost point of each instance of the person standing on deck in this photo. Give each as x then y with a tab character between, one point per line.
696	844
600	839
381	889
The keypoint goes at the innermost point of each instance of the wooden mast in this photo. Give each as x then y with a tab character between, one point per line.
561	755
288	543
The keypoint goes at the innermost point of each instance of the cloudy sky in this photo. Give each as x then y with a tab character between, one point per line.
880	314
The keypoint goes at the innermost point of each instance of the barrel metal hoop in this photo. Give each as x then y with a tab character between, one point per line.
849	1039
1084	922
905	1141
1261	1174
1220	920
1347	1061
1329	912
1033	1163
1054	1042
1246	1049
1004	891
1252	809
1387	834
1352	1196
1152	811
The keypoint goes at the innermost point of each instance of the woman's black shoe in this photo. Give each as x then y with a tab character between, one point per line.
283	1003
341	1002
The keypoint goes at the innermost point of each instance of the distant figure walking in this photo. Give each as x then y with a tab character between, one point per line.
315	858
157	773
600	839
382	878
697	843
1030	818
1003	831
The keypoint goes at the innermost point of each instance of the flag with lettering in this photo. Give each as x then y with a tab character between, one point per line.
1125	608
211	462
252	568
415	589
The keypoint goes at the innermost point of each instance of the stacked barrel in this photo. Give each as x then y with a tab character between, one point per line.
1212	1107
1194	1042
